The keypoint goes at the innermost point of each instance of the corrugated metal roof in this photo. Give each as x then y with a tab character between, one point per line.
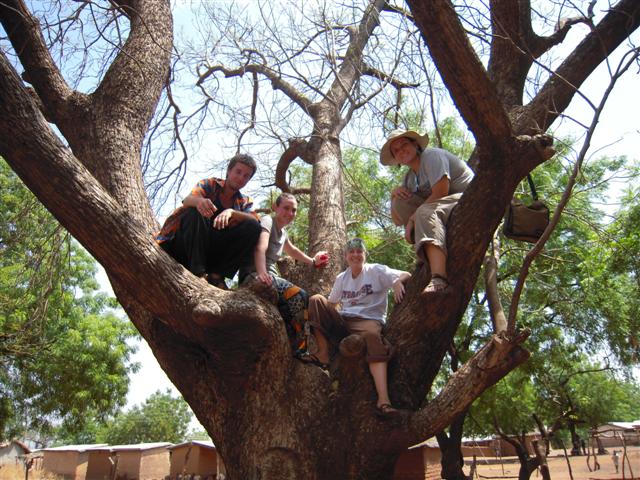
137	446
626	425
18	443
201	443
77	448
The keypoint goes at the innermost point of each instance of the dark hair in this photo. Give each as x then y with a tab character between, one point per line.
244	159
286	196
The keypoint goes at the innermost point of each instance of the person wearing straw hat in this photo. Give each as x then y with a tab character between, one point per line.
422	204
361	293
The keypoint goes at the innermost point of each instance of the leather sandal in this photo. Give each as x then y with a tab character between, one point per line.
313	360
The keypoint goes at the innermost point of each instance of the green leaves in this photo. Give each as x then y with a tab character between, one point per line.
63	350
580	302
161	418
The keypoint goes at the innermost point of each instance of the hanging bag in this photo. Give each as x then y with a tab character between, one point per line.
526	223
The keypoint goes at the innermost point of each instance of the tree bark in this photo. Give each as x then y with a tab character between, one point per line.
451	449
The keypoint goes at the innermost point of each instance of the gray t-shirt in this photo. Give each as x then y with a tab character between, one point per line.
277	239
436	163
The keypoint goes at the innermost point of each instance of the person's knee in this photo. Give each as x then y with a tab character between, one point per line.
371	337
189	219
426	210
317	298
251	228
248	230
401	210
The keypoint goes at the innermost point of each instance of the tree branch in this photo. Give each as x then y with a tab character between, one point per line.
484	369
254	104
297	149
274	77
557	93
389	79
498	318
537	248
50	171
467	81
40	70
349	71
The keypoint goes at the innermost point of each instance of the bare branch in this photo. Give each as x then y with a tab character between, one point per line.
297	149
389	79
277	82
254	104
471	89
557	93
498	318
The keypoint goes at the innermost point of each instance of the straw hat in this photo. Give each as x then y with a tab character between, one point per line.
385	152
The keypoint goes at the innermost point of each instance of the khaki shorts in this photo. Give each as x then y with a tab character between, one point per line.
430	219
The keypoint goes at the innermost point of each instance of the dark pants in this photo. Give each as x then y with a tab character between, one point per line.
202	249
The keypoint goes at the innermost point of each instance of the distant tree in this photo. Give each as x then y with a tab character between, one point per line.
161	418
63	352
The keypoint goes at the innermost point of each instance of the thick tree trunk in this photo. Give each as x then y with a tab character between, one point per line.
327	225
576	445
452	461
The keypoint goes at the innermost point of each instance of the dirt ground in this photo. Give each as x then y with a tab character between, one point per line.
560	471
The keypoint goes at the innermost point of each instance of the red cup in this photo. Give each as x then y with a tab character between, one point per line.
322	260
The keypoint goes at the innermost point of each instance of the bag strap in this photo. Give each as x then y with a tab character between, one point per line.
534	194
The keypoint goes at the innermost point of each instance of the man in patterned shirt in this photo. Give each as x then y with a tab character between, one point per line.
215	230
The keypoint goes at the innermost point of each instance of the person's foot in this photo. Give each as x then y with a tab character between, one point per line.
437	284
313	360
217	280
386	410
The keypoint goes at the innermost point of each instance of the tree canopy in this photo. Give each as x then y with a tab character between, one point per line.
64	352
160	418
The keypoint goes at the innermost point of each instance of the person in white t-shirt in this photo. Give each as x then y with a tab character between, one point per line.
361	291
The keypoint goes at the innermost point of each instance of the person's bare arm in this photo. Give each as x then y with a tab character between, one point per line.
205	207
260	258
295	253
439	189
398	286
318	260
230	217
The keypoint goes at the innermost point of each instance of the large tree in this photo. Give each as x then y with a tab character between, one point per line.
227	352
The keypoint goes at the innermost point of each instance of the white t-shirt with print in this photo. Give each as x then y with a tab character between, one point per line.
366	295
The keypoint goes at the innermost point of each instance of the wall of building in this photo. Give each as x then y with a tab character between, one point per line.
98	465
10	454
71	465
154	464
